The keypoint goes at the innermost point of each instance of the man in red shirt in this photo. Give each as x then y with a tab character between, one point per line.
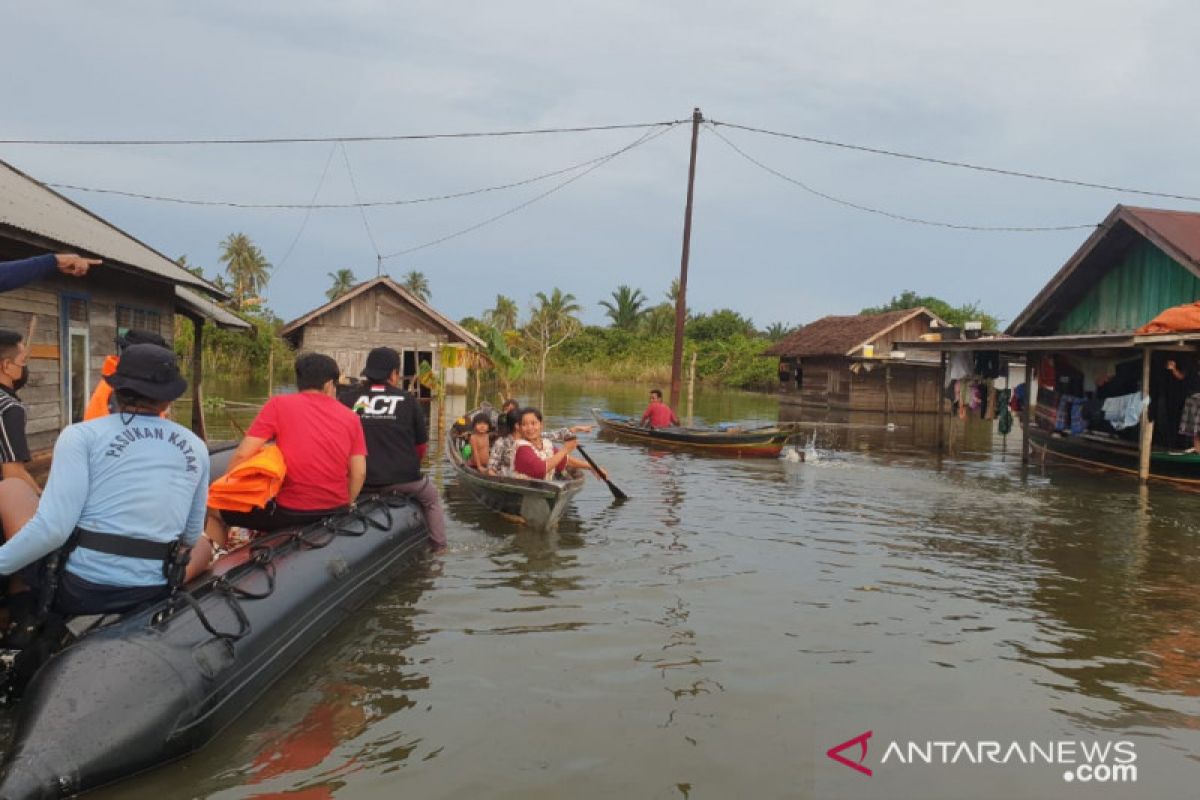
322	444
658	414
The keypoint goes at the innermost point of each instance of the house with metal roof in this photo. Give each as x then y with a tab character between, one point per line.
75	321
382	313
1087	340
849	363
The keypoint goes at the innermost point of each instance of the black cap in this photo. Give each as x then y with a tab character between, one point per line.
149	370
137	336
381	363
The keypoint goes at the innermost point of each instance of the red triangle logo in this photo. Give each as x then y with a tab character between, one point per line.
835	753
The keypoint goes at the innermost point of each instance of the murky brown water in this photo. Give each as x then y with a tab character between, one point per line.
716	634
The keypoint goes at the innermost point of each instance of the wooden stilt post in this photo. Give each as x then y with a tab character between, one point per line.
887	394
691	389
271	371
198	426
1147	424
1026	410
941	403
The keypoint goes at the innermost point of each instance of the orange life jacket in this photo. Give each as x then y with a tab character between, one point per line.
98	404
251	484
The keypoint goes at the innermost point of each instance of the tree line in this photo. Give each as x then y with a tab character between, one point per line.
549	337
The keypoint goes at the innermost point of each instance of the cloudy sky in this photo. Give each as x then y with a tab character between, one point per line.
1084	90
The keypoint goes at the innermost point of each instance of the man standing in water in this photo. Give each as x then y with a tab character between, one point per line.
397	438
658	414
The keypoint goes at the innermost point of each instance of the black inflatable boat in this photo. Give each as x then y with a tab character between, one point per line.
158	684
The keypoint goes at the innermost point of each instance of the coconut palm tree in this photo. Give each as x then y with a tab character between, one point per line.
247	267
503	316
776	331
416	283
626	310
343	281
552	322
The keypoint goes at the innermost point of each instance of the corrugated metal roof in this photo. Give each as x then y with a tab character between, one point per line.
450	326
1176	233
31	206
198	304
839	336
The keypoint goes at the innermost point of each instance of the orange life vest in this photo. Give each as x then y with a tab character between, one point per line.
98	404
251	484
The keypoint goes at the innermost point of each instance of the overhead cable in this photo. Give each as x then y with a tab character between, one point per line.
643	139
308	211
889	214
361	210
312	139
960	164
315	205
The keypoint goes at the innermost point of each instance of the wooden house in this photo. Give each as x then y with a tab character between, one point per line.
75	321
1080	339
849	363
382	313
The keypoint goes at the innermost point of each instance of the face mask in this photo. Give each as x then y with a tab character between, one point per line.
21	381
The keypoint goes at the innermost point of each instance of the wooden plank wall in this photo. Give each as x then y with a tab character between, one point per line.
376	318
104	290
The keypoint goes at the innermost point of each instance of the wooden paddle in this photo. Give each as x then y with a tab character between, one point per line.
612	487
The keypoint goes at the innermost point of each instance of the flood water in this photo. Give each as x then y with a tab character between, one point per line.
716	634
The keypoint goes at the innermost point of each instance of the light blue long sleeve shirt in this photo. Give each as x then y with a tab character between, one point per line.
147	480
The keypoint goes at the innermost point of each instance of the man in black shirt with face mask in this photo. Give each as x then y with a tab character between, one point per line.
14	372
397	437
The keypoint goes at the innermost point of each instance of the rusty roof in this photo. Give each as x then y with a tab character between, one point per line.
841	336
1176	233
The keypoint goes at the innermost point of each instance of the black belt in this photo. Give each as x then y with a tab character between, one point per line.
117	545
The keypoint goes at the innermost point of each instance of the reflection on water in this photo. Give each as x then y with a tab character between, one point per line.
717	633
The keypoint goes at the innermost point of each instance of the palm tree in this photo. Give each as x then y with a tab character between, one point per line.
776	331
552	322
503	316
416	283
247	267
626	310
343	281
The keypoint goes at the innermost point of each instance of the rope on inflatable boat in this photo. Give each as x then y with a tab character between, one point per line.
262	557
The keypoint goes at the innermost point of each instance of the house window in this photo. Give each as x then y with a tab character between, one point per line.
141	318
75	366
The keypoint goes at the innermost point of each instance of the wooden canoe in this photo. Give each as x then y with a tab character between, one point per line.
765	442
539	504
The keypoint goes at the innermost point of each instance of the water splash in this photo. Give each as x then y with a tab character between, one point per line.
810	450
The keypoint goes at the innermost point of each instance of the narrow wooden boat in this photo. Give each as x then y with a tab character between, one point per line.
137	691
764	442
1100	451
539	504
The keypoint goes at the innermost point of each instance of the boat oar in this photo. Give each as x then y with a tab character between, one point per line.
612	487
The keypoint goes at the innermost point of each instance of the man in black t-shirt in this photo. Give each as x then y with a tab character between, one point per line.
397	437
14	372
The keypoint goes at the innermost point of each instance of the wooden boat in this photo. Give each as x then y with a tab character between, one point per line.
539	504
1102	451
137	691
764	442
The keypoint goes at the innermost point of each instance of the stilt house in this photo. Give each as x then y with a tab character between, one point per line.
382	313
75	321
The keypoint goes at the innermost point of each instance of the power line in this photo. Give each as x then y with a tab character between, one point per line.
343	139
643	139
960	164
308	211
361	210
315	205
889	214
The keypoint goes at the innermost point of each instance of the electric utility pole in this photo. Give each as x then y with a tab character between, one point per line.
681	300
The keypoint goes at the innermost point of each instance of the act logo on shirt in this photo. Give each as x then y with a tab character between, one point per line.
381	405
